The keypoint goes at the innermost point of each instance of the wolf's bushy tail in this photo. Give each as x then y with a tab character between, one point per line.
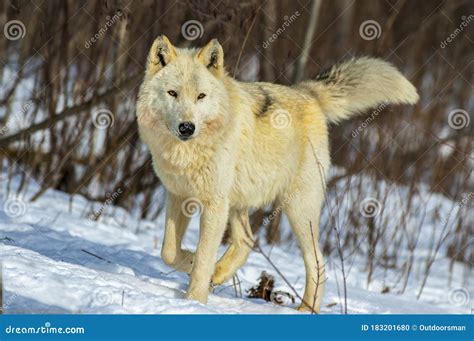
358	84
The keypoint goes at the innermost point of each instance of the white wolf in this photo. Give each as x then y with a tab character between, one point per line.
230	146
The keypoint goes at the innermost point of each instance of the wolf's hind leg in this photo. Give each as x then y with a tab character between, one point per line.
176	225
303	212
238	252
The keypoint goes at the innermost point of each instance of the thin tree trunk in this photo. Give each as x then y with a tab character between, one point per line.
308	41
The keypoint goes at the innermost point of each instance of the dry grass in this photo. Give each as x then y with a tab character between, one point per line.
53	87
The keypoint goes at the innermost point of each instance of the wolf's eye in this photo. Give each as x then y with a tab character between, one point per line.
172	93
201	95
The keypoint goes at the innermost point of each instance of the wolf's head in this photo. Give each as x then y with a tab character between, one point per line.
183	94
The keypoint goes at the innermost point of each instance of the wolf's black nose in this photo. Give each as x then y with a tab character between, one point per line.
186	130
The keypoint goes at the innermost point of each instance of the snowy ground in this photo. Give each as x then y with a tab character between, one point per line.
56	260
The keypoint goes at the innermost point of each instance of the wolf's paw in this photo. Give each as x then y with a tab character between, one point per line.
197	296
306	308
183	262
221	275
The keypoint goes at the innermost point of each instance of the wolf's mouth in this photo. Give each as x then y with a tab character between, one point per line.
184	138
180	137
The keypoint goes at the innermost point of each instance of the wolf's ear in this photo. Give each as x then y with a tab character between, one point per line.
212	56
161	53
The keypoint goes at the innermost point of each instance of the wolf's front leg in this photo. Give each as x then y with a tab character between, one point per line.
176	224
213	223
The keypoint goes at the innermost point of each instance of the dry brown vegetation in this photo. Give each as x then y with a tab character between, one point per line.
55	80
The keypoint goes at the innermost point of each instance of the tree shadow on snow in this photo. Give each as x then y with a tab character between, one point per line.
63	247
17	304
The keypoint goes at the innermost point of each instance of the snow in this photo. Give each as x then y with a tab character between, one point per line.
57	260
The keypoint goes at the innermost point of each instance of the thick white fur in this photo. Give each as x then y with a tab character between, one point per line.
254	143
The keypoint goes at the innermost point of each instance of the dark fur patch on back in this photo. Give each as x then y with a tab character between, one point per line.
330	75
327	76
266	103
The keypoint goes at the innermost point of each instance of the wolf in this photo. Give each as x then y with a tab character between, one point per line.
226	146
